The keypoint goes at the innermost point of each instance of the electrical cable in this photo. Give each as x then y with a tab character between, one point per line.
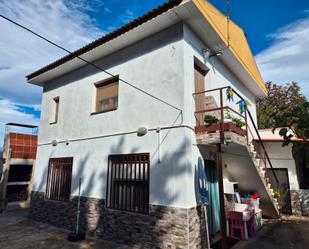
90	63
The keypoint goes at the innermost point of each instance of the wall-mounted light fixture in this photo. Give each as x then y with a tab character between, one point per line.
215	54
142	131
208	53
54	143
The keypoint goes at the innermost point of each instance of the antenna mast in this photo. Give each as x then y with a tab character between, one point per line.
228	22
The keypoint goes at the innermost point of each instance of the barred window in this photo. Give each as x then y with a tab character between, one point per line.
59	179
128	182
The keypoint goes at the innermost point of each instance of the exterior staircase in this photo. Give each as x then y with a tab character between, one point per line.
262	170
243	164
242	161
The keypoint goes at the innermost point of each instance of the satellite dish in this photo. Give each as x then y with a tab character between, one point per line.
54	142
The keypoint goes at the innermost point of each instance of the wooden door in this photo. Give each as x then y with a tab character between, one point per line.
283	188
199	75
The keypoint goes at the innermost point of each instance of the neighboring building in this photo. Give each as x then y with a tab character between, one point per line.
18	157
294	176
141	186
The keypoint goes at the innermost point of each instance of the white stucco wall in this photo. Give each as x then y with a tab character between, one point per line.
218	76
281	157
155	65
161	65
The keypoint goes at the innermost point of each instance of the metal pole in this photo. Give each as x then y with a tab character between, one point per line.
221	197
246	120
206	224
78	206
228	22
222	118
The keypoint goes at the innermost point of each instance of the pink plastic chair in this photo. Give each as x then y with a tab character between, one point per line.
250	223
236	223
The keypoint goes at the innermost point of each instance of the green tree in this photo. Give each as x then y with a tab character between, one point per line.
273	110
297	120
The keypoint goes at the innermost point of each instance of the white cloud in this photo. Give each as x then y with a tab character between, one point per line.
287	59
21	53
10	112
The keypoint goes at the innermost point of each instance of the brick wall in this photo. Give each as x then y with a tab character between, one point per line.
23	145
163	227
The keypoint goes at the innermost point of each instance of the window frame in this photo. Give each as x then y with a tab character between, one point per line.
67	161
56	102
128	201
103	83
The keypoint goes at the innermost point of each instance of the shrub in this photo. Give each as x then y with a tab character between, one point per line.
238	122
209	119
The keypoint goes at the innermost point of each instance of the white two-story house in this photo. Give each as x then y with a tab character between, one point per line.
126	115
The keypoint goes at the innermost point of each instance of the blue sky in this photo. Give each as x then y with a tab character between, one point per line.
277	31
257	18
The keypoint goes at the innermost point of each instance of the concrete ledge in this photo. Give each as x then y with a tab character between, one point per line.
16	161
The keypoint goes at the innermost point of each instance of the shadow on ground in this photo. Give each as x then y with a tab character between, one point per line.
288	232
18	232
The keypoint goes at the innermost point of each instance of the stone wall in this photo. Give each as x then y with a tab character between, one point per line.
197	228
300	202
304	201
295	202
163	227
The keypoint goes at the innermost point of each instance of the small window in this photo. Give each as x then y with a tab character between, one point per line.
107	94
128	182
59	179
56	110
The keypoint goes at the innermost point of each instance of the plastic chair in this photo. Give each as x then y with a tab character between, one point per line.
236	223
250	224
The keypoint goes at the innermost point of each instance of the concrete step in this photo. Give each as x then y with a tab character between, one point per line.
253	154
257	161
15	206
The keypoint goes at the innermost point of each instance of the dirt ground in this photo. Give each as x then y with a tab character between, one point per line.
289	232
18	232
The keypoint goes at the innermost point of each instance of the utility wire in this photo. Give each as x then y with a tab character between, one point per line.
90	63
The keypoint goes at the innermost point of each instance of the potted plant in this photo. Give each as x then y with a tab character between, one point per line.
276	195
228	117
210	119
239	122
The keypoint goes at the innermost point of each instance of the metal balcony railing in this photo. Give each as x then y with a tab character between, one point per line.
220	113
223	126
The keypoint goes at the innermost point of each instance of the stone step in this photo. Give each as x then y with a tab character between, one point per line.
253	154
257	161
15	206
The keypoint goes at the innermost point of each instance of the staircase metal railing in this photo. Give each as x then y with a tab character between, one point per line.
221	127
259	139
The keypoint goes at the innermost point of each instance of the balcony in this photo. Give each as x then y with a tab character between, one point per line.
217	119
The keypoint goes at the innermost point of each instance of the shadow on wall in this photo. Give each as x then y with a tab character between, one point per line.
162	226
